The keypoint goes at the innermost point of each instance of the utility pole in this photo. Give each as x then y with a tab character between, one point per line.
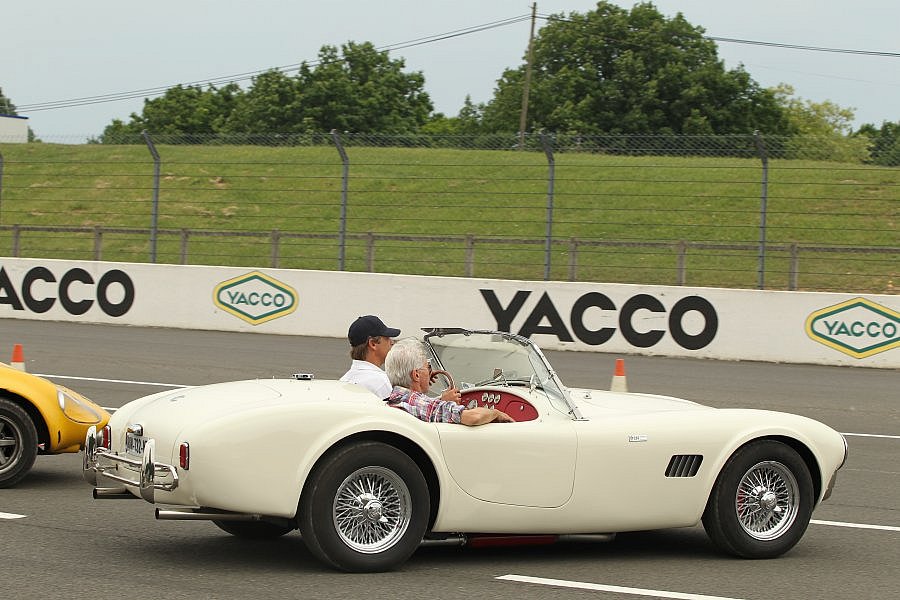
526	88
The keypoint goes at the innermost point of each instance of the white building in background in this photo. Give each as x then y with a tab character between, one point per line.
13	129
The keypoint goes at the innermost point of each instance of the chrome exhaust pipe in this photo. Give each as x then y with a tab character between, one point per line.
116	493
451	540
189	515
487	540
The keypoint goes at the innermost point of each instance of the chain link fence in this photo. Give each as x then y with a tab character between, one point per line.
740	211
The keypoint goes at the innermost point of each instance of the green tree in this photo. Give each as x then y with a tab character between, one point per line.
358	89
885	142
272	104
6	105
820	130
813	118
362	90
611	70
181	110
467	122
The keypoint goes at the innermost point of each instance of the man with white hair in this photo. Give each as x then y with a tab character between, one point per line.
408	369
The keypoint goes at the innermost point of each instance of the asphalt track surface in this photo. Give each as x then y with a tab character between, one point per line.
57	542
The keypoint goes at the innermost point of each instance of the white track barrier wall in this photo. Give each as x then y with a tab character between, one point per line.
724	324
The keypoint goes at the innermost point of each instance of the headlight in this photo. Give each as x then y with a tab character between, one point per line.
75	408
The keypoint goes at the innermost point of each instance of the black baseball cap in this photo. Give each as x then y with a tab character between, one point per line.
369	326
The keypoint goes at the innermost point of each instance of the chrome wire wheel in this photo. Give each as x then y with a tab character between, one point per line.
371	509
10	444
767	500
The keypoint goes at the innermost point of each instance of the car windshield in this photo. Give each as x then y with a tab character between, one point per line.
476	358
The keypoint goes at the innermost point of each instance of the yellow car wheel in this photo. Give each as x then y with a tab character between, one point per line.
18	443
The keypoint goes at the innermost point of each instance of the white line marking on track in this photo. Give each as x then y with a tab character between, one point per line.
171	385
856	525
873	435
609	588
4	515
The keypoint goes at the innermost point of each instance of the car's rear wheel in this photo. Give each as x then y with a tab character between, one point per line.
365	508
253	530
18	443
762	501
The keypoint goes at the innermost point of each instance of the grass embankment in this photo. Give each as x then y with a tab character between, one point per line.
501	195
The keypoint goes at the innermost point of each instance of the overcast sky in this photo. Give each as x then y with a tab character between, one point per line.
56	50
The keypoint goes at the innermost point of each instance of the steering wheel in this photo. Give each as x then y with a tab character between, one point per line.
447	377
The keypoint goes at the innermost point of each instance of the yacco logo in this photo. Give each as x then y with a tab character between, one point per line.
858	327
255	297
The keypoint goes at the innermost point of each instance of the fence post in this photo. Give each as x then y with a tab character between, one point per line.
573	258
154	218
470	255
185	234
345	176
763	208
681	251
98	242
794	279
275	237
551	176
370	252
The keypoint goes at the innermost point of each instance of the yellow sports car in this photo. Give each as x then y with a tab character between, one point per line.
38	416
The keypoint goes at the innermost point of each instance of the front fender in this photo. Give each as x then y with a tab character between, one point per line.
65	414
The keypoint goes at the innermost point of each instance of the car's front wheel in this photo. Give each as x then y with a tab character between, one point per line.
18	443
364	508
762	501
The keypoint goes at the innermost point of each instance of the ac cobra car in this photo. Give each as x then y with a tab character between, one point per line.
366	484
39	417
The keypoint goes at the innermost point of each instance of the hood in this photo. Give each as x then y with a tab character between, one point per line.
597	402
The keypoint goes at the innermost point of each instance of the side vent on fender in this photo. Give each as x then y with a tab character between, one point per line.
684	465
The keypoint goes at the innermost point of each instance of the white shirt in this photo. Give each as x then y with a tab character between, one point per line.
364	373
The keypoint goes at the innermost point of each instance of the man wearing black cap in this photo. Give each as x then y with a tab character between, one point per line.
370	342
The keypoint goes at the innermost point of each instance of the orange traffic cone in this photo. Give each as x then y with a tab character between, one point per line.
18	359
618	383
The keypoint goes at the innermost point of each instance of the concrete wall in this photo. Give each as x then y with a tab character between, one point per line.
774	326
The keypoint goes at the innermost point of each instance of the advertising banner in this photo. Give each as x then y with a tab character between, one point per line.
723	324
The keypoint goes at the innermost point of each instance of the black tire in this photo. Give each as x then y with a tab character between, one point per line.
364	508
18	443
762	501
253	530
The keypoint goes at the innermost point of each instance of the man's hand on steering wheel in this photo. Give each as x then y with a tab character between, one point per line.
451	393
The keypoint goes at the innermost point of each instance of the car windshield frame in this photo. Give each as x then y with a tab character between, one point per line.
479	357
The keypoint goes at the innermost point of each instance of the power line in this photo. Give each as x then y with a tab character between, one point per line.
799	47
249	75
770	44
215	81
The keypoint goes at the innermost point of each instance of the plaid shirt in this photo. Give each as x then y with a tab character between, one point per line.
424	407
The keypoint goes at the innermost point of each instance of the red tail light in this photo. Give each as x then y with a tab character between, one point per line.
104	438
184	456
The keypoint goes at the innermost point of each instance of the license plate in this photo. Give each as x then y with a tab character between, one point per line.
134	444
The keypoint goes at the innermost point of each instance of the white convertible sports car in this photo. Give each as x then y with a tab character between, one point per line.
366	483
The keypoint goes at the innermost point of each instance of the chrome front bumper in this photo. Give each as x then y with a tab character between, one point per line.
145	474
